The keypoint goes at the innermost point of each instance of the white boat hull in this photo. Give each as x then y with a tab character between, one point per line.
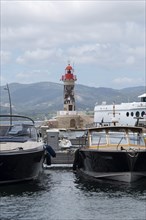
124	113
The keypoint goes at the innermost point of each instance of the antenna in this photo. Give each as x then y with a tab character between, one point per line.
7	88
73	66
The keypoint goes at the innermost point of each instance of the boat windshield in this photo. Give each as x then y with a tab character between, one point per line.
124	137
136	139
98	138
24	130
117	137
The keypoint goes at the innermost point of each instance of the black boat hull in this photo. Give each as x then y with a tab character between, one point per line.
20	165
127	166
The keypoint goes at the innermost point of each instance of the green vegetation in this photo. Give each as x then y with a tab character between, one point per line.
42	100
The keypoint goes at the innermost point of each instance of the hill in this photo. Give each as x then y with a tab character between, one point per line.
47	97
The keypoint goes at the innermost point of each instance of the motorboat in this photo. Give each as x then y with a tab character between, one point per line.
21	150
112	152
64	143
125	113
71	138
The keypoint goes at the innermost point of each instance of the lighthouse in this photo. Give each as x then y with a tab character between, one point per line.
69	83
69	118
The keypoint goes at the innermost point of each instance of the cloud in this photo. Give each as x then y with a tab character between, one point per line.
40	75
123	81
39	55
5	56
130	60
3	80
47	22
107	35
36	55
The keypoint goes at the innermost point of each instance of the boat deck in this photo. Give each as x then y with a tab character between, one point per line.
10	146
117	148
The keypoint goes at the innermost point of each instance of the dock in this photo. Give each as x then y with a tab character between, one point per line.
63	159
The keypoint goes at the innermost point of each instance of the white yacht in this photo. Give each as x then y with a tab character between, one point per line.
124	113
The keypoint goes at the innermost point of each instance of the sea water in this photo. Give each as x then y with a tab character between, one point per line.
59	194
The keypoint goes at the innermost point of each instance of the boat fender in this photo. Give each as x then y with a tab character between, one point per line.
47	159
77	160
49	150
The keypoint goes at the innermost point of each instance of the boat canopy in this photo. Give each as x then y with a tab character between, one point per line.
117	128
142	96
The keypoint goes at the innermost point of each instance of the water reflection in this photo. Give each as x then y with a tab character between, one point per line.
28	188
111	187
61	194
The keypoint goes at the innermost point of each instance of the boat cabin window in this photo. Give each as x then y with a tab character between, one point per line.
117	137
143	99
143	113
137	114
136	139
33	133
98	138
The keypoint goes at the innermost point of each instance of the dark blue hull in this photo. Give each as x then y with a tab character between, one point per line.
20	165
116	165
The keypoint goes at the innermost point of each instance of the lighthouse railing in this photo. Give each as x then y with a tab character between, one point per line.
62	113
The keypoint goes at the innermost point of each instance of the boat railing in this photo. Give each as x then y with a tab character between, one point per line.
98	124
114	147
119	142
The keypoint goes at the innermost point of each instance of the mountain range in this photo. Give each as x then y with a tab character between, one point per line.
44	98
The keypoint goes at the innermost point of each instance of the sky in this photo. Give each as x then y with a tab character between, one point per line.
104	41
